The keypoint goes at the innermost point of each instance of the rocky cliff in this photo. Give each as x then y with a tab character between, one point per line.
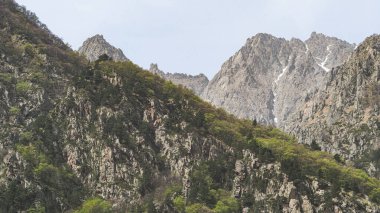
328	52
269	77
344	117
111	137
96	46
195	83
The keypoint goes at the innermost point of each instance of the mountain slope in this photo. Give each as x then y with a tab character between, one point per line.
270	77
96	46
344	118
72	132
35	68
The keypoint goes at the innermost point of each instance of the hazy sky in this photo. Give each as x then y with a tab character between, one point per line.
197	36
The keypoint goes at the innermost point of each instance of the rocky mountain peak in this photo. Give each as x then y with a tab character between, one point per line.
262	37
315	35
154	69
263	40
196	83
99	38
97	45
371	44
270	77
328	51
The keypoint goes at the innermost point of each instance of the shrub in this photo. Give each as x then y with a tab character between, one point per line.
23	87
179	203
227	205
26	137
198	208
14	110
95	205
375	195
6	77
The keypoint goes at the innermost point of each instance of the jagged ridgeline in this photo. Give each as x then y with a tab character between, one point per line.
109	136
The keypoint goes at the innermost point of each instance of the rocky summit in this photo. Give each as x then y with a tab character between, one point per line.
269	78
96	46
195	83
328	52
108	136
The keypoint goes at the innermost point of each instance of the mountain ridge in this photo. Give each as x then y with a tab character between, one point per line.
196	83
282	77
110	136
268	58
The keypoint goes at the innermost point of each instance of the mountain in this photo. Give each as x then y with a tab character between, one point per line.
344	117
269	78
111	137
195	83
314	90
96	46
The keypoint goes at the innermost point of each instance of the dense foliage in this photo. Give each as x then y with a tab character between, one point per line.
95	205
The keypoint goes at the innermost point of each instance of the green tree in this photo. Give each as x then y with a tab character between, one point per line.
104	57
201	183
198	208
95	205
254	122
227	205
179	203
315	146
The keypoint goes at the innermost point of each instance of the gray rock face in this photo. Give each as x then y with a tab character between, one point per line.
328	51
96	46
196	83
269	78
344	117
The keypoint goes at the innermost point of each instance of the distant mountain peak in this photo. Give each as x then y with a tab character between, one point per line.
154	69
97	45
315	34
98	36
269	77
194	82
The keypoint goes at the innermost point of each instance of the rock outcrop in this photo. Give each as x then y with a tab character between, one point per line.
96	46
196	83
269	78
328	52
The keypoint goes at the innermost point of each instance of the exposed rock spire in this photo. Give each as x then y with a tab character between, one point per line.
96	46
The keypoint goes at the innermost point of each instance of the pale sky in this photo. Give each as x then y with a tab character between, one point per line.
197	36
